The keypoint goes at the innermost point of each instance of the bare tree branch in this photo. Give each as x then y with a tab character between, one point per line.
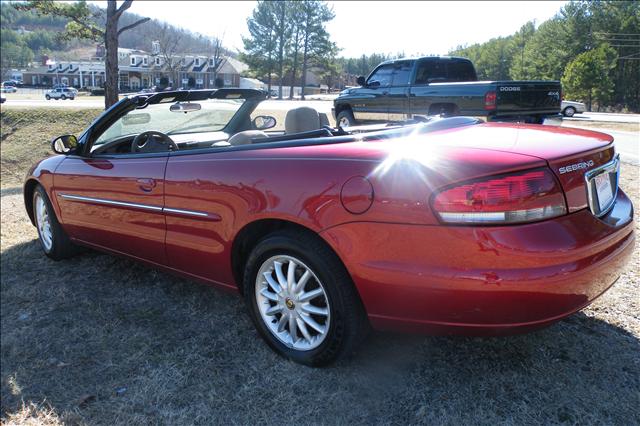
135	24
124	6
98	33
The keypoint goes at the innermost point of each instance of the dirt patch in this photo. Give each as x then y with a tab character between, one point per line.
103	340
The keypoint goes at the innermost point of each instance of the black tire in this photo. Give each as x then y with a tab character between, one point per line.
569	112
71	99
61	247
348	325
47	97
63	97
345	119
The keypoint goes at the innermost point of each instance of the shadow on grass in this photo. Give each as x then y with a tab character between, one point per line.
105	340
10	191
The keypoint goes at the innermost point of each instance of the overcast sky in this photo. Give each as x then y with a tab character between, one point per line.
369	27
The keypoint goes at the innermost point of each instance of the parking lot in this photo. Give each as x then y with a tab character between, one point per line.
102	340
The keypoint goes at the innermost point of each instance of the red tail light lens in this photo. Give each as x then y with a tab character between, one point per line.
490	100
515	198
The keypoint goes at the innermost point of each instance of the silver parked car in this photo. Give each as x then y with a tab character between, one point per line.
61	93
5	88
569	108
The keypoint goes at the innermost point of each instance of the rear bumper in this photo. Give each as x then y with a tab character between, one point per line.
484	280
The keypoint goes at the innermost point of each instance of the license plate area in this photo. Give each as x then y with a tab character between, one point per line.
602	186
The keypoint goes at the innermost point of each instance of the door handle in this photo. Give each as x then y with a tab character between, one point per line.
146	185
385	93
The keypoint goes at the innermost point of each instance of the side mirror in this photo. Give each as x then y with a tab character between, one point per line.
64	144
263	122
361	81
374	83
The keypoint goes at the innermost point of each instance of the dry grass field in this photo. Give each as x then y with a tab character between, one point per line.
102	340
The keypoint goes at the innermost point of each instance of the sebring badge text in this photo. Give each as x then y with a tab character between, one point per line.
577	166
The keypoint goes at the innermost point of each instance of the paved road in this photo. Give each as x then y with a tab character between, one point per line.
323	105
604	116
627	144
88	102
76	103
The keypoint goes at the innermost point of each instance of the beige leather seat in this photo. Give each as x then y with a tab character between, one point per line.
246	137
324	120
302	119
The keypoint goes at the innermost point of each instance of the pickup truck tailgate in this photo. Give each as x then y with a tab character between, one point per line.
528	96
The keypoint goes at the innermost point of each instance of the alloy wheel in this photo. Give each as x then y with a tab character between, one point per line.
292	302
44	223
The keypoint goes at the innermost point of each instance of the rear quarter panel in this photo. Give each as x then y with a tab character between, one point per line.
303	185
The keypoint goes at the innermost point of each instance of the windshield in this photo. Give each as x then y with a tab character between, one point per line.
212	117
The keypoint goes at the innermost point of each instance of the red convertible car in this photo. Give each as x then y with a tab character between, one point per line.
448	226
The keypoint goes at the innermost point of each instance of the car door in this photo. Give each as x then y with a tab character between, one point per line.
114	201
374	96
398	98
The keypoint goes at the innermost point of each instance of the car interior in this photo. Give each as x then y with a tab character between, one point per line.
300	123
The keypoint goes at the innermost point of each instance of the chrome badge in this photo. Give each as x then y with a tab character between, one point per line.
576	166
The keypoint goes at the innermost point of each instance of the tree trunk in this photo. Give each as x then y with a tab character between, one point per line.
269	71
111	59
281	47
303	81
295	66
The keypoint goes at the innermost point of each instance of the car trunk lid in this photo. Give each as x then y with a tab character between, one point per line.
569	152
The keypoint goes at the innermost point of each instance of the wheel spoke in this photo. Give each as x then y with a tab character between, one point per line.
302	282
305	297
271	296
313	324
291	276
272	283
282	322
310	309
279	274
293	328
273	310
303	329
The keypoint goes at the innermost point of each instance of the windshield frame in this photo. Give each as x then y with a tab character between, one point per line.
238	121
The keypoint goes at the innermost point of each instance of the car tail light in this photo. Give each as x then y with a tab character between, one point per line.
490	100
514	198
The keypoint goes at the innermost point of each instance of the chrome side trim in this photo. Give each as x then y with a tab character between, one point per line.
111	202
168	210
185	212
612	167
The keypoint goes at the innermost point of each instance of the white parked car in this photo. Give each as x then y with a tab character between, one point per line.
61	93
569	108
8	89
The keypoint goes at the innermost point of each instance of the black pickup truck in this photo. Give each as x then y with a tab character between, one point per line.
405	89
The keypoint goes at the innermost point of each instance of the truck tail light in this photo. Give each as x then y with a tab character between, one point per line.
513	198
490	100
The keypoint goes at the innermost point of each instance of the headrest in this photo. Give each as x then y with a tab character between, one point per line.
246	137
301	119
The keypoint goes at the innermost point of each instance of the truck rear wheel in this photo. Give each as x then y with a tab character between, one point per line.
345	118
